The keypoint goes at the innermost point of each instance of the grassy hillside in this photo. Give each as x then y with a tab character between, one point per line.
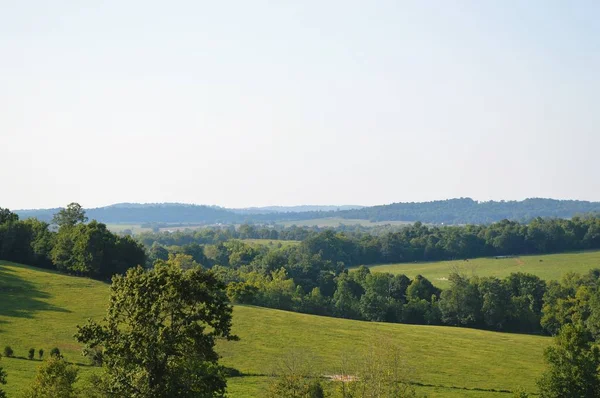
40	309
548	267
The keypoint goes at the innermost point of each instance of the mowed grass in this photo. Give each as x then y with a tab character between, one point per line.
337	221
547	267
40	309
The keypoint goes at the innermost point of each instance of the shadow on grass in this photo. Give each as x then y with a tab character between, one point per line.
20	298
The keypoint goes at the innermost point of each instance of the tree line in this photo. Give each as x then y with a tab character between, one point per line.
76	247
451	211
418	242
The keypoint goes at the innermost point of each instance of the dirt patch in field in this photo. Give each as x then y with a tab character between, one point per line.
519	261
342	378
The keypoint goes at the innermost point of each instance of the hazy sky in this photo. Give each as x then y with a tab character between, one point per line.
248	103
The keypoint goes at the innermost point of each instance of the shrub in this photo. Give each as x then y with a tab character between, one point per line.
55	353
54	379
31	354
41	353
8	351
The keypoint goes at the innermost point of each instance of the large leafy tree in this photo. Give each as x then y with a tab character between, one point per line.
71	215
573	365
158	337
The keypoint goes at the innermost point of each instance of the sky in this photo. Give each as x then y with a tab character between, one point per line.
257	103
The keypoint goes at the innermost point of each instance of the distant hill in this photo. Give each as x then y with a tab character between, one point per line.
451	211
469	211
293	209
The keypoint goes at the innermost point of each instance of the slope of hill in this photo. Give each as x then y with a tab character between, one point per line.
547	267
469	211
40	309
451	211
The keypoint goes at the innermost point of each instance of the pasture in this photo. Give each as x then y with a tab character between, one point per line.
271	243
547	267
40	309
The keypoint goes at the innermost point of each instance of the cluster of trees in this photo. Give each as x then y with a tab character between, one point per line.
511	304
571	311
156	341
312	277
78	247
213	235
417	242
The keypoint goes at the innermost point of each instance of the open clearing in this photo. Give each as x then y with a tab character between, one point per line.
40	309
548	266
272	243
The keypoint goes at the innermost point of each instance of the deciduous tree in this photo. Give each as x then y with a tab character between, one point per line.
159	334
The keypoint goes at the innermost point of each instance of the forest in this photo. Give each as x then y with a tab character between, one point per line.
316	275
451	211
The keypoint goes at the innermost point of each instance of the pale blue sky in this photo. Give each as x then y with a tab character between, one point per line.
249	103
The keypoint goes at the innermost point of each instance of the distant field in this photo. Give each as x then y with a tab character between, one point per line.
337	221
271	242
40	309
137	228
548	267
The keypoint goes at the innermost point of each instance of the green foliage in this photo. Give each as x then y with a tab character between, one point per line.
40	354
158	337
92	250
470	359
55	378
381	372
55	353
31	353
70	216
295	378
8	351
2	372
573	364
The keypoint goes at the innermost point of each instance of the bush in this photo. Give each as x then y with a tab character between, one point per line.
8	351
31	354
54	379
41	353
55	353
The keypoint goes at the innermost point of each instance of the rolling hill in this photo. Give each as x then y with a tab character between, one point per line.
451	211
40	309
547	267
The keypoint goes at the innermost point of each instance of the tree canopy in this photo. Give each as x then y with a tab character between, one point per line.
158	337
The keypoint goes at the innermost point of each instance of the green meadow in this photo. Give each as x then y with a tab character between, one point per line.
271	242
547	267
40	309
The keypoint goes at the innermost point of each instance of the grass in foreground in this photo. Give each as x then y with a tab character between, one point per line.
547	267
40	309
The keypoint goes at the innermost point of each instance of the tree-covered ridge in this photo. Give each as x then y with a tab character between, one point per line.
467	210
451	211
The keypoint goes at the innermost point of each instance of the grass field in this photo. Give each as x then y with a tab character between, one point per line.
271	242
138	229
548	267
40	309
337	221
